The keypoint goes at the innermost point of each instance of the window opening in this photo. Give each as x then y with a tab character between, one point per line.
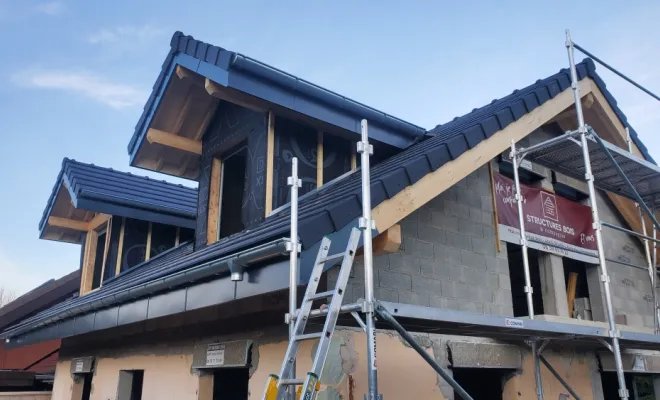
517	276
98	260
232	187
481	383
162	238
134	249
130	385
580	308
230	383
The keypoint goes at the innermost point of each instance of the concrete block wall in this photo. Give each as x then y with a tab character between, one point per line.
631	288
448	258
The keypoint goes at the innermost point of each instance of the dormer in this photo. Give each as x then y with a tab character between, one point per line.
233	124
119	219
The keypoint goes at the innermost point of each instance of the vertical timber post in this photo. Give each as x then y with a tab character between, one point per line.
293	248
367	224
605	279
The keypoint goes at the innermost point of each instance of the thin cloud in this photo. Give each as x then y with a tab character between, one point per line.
115	95
126	35
50	7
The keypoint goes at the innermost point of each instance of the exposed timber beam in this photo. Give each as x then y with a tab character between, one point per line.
386	242
174	141
98	220
68	223
413	197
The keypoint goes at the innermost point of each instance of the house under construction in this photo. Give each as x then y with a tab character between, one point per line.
507	254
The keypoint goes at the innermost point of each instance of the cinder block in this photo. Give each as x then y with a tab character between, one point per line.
439	252
487	218
457	209
409	226
452	289
486	203
478	277
504	281
471	306
456	273
440	219
404	263
454	255
444	302
460	241
380	262
469	198
386	294
422	284
418	248
434	269
498	309
502	297
473	260
475	215
470	228
431	234
489	232
419	299
484	246
394	280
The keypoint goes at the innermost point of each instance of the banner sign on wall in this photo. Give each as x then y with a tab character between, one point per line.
548	218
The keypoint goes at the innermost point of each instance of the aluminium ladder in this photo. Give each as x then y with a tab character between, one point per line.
276	386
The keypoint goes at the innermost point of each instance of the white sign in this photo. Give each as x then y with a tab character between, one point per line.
79	365
215	354
638	363
513	323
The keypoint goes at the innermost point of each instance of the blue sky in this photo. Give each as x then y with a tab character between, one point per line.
75	74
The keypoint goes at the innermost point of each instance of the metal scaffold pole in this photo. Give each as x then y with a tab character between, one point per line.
528	281
367	224
605	279
294	248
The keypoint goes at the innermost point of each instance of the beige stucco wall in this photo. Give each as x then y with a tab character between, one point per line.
575	368
402	374
25	395
63	381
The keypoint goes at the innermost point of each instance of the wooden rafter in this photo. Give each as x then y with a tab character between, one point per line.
386	242
68	223
174	141
213	213
415	196
98	220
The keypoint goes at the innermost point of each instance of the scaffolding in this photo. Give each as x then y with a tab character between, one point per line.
580	154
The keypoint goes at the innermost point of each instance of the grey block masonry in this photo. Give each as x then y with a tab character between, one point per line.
448	257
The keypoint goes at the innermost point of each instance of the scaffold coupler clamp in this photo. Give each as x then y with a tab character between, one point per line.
378	397
362	146
362	223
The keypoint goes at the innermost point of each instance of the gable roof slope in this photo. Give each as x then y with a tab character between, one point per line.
94	183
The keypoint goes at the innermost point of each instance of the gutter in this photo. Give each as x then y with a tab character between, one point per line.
286	80
235	264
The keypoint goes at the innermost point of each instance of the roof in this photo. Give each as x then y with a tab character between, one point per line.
40	298
247	75
109	191
336	206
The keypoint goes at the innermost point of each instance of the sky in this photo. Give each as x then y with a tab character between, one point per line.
74	75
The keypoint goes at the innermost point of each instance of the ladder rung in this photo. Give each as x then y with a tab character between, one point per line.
331	258
289	382
322	295
308	336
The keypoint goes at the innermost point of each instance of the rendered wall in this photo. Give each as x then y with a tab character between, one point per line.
402	373
25	395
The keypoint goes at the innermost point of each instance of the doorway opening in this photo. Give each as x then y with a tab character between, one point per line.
231	383
232	187
481	383
517	276
640	386
87	386
577	289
